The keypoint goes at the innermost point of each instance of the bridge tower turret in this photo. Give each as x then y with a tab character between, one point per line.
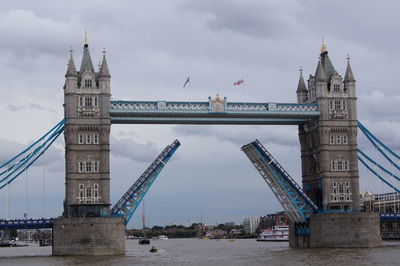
329	143
86	227
87	130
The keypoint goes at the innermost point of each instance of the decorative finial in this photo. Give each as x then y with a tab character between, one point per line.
70	51
217	96
348	59
86	41
323	48
301	70
104	51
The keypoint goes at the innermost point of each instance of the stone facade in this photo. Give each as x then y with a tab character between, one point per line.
329	142
84	228
339	230
87	139
89	236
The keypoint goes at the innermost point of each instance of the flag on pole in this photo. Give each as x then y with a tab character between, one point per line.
237	83
186	82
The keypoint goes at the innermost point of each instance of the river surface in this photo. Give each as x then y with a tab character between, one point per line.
176	252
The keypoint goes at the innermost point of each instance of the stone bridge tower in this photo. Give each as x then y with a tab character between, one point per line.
329	163
329	143
85	227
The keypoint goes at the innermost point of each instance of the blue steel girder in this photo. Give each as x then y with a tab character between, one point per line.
163	112
129	202
26	223
288	192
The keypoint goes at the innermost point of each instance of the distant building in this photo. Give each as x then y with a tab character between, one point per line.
270	220
250	224
230	223
189	223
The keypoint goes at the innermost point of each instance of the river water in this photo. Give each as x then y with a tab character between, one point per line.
176	252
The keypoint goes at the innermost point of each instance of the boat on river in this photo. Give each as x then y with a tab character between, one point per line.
276	233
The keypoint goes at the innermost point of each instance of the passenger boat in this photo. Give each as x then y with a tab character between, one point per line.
276	233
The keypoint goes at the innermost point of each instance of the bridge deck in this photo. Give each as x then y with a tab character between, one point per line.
212	112
26	223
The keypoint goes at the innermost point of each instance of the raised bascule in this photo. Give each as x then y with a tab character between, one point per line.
324	211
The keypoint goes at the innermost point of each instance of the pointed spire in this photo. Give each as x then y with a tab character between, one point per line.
71	71
104	72
320	73
349	77
301	87
86	59
326	61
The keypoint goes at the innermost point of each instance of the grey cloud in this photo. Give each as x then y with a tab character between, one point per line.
53	157
34	106
129	149
256	19
240	135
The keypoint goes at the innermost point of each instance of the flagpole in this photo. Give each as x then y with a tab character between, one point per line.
190	93
244	95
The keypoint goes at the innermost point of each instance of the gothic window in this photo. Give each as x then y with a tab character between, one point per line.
347	183
88	192
341	189
338	139
88	83
339	166
88	101
80	101
343	105
81	139
338	105
344	139
80	186
88	138
336	87
347	197
95	101
95	167
334	184
331	107
82	167
345	165
88	167
96	186
332	139
96	138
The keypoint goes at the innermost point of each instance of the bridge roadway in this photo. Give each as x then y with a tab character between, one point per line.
215	111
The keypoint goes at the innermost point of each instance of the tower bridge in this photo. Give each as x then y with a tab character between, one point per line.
325	210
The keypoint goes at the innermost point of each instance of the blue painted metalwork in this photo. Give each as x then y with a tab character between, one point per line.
215	111
26	223
390	216
129	202
293	199
375	141
19	163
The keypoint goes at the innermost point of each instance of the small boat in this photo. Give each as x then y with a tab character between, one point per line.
144	240
153	250
160	237
231	240
276	233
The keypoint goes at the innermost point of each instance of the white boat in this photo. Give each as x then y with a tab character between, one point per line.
276	233
160	237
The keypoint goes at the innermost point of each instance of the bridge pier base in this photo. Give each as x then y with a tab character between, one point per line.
339	230
89	236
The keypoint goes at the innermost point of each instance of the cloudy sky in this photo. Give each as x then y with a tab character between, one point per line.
152	46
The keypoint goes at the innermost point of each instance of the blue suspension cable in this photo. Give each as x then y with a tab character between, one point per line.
379	149
56	127
365	131
36	153
377	175
378	165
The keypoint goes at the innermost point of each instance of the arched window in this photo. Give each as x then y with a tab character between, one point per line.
88	83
